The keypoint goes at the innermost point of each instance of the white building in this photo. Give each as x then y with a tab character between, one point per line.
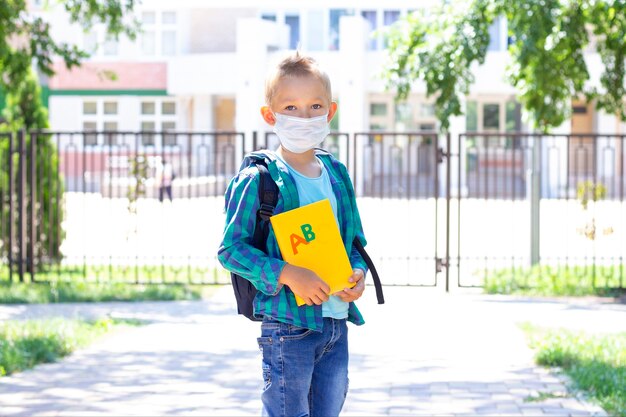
200	66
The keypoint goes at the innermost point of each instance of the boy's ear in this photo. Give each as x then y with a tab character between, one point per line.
332	110
268	115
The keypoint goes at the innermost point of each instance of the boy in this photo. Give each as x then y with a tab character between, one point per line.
305	349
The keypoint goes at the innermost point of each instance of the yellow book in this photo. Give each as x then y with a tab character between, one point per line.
309	237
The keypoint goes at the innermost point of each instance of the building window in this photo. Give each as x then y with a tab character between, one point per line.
148	42
333	33
148	107
148	37
494	35
110	107
389	18
294	30
370	17
513	116
168	35
168	47
100	115
427	110
110	138
168	139
404	117
499	115
110	46
491	117
168	107
410	115
90	42
270	17
378	109
471	116
159	33
147	138
91	139
90	107
157	115
168	18
148	18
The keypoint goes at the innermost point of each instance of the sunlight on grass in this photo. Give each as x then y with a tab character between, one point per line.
596	363
24	344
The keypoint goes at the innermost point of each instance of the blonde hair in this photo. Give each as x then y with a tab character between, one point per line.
295	65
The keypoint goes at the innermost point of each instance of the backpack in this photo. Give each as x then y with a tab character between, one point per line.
268	197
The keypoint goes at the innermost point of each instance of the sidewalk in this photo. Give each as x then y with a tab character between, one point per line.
422	353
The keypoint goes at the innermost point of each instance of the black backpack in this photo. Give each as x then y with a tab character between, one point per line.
268	197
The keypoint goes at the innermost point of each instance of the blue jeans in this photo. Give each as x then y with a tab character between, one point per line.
305	372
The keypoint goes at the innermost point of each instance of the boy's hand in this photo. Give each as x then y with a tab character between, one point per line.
304	282
354	293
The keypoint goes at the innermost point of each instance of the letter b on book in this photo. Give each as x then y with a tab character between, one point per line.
307	232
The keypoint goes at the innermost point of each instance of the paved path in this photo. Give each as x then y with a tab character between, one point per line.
422	353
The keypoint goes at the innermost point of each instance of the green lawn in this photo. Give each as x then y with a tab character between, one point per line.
145	274
556	281
64	292
596	364
108	283
24	344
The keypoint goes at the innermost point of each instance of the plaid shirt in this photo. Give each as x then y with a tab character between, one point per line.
237	254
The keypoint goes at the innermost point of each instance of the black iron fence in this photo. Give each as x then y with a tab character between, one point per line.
434	206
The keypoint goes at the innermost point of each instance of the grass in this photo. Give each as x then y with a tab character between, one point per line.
24	344
93	283
548	280
65	292
596	364
146	274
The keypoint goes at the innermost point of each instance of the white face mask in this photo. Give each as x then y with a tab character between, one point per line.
299	134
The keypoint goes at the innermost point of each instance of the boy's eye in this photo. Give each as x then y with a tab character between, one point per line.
290	107
316	106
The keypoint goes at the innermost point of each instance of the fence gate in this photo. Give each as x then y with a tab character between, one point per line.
401	179
479	208
438	210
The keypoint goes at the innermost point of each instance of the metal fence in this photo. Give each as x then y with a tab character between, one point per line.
436	208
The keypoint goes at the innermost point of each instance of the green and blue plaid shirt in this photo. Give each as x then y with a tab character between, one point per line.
237	254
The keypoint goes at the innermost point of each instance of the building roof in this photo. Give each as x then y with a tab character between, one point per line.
94	76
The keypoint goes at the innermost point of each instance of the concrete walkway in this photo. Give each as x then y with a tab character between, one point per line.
422	353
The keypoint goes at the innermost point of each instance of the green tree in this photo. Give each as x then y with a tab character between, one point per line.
25	110
26	42
25	39
548	40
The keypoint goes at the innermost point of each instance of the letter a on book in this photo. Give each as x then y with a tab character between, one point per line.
309	237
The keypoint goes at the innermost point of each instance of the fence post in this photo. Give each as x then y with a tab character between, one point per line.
534	196
21	204
11	206
448	196
33	206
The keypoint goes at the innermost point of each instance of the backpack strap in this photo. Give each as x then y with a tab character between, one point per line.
377	284
268	197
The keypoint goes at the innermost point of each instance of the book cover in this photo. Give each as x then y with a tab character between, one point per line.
308	237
